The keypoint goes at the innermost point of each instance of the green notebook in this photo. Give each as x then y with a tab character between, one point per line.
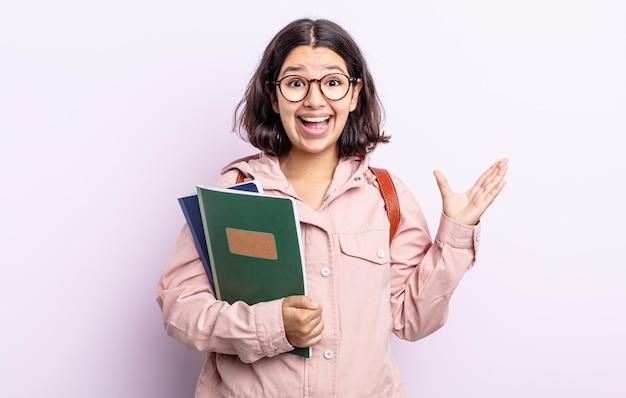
254	246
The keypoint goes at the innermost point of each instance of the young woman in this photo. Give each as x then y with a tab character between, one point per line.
312	110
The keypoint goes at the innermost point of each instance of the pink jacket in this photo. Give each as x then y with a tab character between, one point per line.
367	289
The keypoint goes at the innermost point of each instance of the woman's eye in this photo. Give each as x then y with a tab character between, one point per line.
296	83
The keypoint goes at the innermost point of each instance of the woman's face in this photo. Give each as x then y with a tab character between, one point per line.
314	124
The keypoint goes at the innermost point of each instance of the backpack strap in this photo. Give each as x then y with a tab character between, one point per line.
390	197
240	177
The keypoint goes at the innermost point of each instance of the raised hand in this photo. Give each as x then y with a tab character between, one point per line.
467	207
302	318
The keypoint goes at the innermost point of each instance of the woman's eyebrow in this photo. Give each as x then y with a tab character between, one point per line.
330	68
292	69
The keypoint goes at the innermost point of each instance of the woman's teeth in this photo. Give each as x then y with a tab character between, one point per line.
315	119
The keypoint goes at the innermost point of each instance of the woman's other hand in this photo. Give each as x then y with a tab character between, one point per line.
467	207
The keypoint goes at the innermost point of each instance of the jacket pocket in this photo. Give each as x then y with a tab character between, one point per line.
371	245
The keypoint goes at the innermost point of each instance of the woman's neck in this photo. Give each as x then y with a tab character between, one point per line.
301	165
310	175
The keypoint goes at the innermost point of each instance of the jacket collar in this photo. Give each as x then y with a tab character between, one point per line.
350	172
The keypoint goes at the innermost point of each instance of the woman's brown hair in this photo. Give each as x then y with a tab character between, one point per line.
255	119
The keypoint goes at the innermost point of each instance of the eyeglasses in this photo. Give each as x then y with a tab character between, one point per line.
333	86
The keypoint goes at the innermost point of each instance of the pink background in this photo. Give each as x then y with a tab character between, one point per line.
109	111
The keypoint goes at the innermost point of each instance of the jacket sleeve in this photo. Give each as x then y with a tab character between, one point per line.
425	273
194	317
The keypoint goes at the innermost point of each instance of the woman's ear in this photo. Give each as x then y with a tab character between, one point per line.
354	101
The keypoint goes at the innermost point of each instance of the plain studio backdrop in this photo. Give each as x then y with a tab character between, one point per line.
109	111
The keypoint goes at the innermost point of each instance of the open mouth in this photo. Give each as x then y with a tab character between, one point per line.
315	122
315	119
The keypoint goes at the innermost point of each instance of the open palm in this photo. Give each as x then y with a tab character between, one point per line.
467	207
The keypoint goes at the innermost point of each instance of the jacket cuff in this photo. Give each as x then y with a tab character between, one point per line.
270	328
455	234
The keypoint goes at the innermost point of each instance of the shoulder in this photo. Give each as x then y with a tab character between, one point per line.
387	179
237	163
395	186
257	166
230	172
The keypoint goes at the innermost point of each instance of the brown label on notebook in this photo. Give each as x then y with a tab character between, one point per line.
251	243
